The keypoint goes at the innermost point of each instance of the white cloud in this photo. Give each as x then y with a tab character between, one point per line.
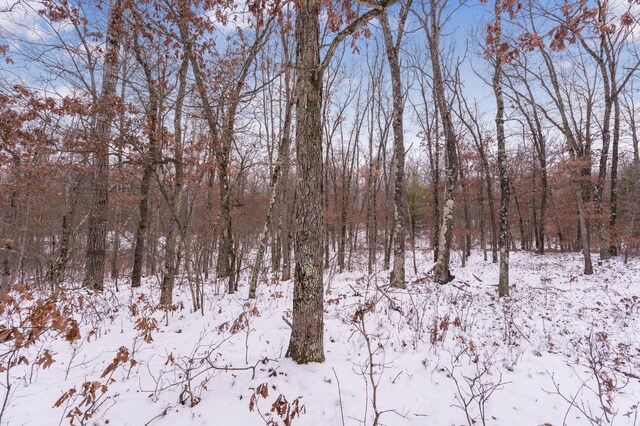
20	19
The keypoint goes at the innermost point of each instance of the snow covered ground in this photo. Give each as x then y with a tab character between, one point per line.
563	349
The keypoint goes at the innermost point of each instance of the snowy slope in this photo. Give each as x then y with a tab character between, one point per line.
563	348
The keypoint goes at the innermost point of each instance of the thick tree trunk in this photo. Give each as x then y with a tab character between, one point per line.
10	229
115	250
399	194
503	282
609	88
57	269
97	230
372	231
613	219
524	239
483	237
584	228
434	160
543	206
225	247
175	225
441	272
307	333
602	175
145	185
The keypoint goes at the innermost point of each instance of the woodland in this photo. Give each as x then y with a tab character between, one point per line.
314	212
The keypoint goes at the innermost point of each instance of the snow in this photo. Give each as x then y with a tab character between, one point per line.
424	339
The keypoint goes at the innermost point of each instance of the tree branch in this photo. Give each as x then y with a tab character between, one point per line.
377	9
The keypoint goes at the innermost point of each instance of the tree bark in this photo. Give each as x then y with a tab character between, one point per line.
175	225
613	218
503	281
307	326
441	272
97	230
307	332
57	269
150	164
400	193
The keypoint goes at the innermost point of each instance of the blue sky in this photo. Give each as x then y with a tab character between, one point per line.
466	25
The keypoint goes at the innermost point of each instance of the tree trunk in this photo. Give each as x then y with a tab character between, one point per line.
483	238
434	160
223	143
150	164
613	219
10	228
307	333
97	230
442	274
175	224
224	266
543	205
399	195
307	327
574	148
286	224
503	282
584	229
524	240
115	250
372	177
276	180
57	269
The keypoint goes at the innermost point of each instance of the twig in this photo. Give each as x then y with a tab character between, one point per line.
287	321
339	395
248	367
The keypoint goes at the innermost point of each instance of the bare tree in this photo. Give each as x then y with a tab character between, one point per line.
97	231
176	225
608	54
525	103
307	331
578	140
495	35
433	19
150	158
400	192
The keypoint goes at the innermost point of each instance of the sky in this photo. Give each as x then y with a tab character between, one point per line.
461	33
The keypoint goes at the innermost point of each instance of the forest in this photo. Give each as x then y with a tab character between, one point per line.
315	212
